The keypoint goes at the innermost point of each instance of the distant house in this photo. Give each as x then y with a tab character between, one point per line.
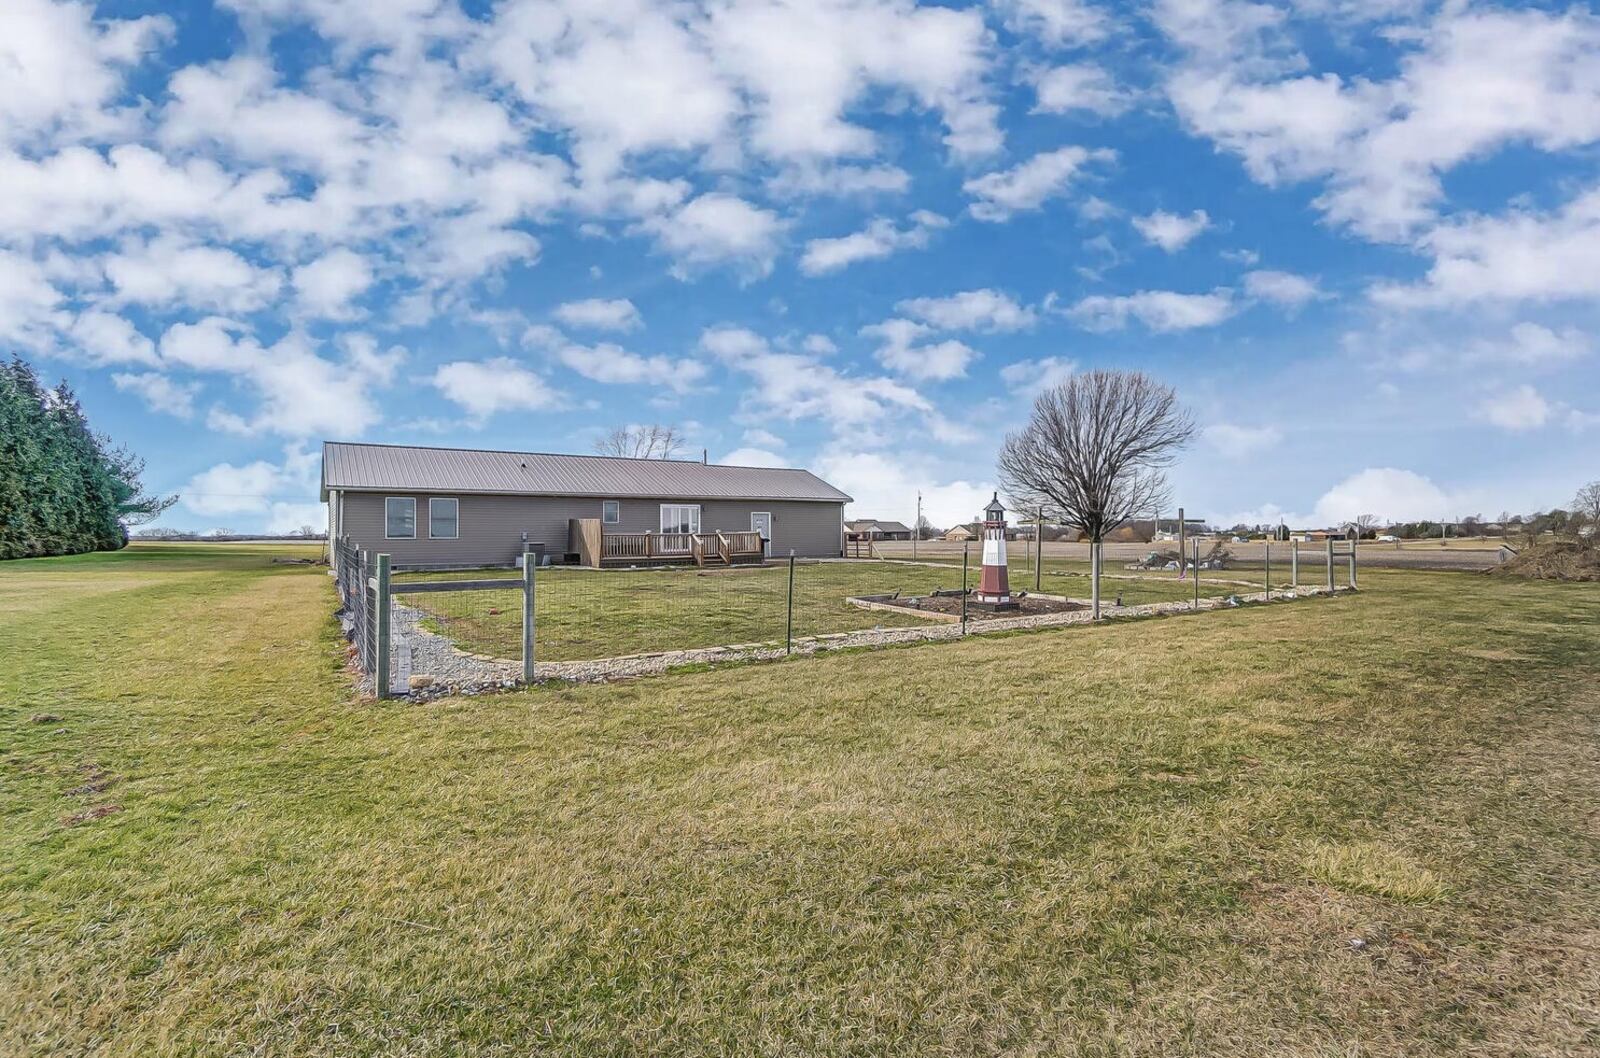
973	531
463	507
1317	535
874	529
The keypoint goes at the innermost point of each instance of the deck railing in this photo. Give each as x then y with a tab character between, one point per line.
623	547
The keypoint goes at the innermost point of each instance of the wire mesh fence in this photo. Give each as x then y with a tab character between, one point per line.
477	629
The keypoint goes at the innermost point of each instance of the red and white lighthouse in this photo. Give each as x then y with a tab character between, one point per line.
994	588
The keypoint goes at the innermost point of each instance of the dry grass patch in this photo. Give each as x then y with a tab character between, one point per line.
1155	838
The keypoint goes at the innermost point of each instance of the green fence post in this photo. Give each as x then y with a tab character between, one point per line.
788	628
963	589
529	561
380	662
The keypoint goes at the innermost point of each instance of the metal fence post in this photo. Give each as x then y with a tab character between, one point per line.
1038	553
1294	564
1267	570
1183	552
529	615
788	627
963	589
380	663
1353	563
1330	563
1196	572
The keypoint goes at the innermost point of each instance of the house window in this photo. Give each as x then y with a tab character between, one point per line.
680	518
611	511
444	518
400	518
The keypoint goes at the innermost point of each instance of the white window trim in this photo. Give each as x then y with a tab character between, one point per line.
435	499
662	516
409	499
610	521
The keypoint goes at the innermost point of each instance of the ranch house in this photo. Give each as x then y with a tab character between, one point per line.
440	508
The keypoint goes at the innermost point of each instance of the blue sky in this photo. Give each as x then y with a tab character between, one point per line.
1360	237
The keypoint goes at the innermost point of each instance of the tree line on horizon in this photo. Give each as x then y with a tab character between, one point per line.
64	489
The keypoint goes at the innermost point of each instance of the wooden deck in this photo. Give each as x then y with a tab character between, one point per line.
597	548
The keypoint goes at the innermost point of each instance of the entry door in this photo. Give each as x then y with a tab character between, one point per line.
761	522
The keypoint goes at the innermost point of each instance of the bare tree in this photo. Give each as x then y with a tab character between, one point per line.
1095	453
925	529
1586	506
641	442
1367	525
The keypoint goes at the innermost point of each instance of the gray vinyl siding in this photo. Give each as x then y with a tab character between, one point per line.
491	527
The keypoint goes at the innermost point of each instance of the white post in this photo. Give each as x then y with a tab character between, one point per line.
1094	579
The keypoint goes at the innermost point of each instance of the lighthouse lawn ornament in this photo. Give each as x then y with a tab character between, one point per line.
994	588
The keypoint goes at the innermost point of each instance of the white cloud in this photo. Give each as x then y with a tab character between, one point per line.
716	229
1537	345
1395	495
1479	79
804	64
971	310
1171	231
886	486
600	314
614	365
753	457
1519	256
1030	377
326	286
110	339
801	386
1084	86
159	392
486	387
282	493
1160	310
880	238
1516	409
60	67
291	517
1281	288
1000	194
933	362
1235	441
810	178
759	438
300	393
166	272
1058	23
29	302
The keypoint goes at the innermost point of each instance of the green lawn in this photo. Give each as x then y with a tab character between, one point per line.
1358	826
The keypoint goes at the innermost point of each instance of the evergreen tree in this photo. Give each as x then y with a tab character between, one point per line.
63	488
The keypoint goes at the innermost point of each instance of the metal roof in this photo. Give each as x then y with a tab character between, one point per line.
375	467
